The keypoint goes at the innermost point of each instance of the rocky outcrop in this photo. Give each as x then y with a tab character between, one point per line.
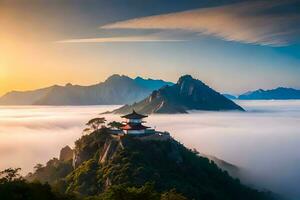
76	160
102	142
111	146
79	156
66	154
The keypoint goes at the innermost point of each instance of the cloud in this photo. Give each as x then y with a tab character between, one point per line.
146	38
256	22
265	137
35	134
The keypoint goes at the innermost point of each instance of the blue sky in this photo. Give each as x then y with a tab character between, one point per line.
234	46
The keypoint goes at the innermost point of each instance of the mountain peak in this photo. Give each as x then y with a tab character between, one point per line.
185	78
260	90
116	77
187	94
139	78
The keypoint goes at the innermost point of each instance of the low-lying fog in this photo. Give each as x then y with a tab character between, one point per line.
264	141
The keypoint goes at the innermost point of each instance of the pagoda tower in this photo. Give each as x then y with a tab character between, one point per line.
134	124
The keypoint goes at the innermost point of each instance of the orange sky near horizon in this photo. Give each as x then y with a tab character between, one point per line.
30	58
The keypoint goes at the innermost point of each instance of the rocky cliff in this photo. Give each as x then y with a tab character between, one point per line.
66	154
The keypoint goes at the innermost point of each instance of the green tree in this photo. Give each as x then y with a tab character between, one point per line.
86	131
172	195
84	179
14	187
121	192
38	167
115	124
96	123
10	175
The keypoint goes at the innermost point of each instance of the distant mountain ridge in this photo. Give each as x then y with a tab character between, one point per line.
187	94
279	93
151	84
114	90
118	89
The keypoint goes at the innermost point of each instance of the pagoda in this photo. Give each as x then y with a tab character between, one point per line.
134	124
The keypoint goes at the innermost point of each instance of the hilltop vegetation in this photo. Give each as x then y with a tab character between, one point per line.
14	187
108	168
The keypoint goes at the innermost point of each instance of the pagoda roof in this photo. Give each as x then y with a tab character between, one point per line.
134	115
130	126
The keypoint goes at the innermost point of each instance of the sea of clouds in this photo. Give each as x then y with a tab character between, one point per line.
264	141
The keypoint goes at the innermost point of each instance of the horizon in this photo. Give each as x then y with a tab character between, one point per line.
145	78
84	42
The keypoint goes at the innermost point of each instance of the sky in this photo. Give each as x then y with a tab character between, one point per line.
233	46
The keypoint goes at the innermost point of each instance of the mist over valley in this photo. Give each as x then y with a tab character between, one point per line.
262	142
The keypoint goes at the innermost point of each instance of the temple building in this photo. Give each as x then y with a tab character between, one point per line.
134	124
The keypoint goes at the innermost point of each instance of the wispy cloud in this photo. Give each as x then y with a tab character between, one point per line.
147	38
255	22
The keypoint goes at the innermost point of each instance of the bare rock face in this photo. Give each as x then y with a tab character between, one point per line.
99	141
66	154
110	148
79	157
76	160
